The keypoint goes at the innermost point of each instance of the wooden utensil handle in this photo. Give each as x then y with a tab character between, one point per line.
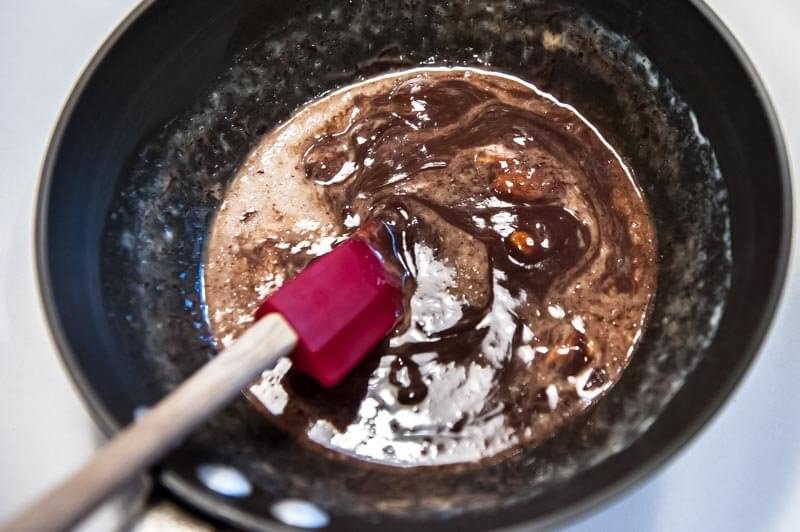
145	441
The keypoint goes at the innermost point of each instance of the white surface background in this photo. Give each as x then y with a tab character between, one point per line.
741	474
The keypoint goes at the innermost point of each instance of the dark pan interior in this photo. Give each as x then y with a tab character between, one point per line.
184	91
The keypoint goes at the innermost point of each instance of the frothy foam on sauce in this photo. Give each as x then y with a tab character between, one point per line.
525	243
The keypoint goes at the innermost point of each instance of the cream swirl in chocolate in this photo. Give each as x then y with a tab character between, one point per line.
525	244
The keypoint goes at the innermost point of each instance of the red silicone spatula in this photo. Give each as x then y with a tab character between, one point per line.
327	318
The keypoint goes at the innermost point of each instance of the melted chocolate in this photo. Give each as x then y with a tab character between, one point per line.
525	245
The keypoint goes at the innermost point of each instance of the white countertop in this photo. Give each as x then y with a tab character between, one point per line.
741	474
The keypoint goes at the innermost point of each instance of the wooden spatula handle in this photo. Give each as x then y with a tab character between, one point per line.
142	443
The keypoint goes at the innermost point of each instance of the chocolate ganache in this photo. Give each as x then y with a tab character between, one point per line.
524	243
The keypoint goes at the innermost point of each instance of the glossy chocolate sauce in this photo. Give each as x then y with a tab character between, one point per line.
525	245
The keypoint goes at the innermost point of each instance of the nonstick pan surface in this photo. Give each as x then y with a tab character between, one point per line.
181	92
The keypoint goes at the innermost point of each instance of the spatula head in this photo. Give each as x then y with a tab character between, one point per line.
340	306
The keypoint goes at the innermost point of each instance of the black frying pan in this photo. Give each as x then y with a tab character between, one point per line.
126	306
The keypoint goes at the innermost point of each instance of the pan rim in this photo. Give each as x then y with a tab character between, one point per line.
209	505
